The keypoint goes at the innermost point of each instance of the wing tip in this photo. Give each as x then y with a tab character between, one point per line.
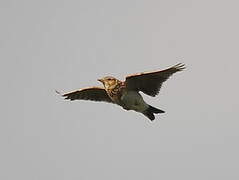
65	96
180	66
58	92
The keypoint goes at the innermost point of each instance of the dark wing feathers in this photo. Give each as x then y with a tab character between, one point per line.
91	93
150	83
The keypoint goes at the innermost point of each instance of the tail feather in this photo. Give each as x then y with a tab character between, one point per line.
155	110
151	111
149	115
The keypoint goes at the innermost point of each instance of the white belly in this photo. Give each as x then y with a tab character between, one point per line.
134	101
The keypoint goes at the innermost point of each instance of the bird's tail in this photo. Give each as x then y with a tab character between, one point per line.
149	113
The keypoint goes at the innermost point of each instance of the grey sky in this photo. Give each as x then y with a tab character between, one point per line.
65	45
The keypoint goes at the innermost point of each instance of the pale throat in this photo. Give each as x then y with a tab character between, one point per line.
111	84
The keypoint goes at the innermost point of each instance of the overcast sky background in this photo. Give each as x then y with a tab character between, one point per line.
66	45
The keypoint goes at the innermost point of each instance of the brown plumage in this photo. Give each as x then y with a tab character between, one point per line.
126	94
91	93
151	82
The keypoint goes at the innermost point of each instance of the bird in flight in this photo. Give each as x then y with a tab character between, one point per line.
126	93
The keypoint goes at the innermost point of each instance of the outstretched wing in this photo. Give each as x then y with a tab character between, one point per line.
150	83
91	93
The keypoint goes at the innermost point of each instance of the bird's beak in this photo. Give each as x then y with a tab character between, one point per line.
100	80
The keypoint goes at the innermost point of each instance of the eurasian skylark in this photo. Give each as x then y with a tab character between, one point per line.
126	93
